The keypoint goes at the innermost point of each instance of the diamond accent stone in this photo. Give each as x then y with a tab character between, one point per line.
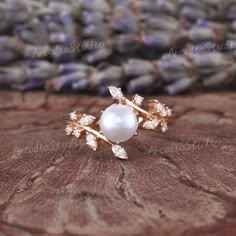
73	115
76	133
116	93
140	119
91	141
163	113
164	127
169	112
119	152
68	130
138	100
87	120
151	124
161	108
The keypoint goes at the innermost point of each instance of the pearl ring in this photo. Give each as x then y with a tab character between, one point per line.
119	122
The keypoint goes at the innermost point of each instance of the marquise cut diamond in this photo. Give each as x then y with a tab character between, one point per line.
151	124
91	141
87	120
119	152
116	93
76	133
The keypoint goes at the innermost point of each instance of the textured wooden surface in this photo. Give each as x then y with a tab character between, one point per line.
181	183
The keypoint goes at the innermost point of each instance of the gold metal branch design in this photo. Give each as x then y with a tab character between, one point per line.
157	115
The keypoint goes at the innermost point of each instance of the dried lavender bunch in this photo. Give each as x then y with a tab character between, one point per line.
141	45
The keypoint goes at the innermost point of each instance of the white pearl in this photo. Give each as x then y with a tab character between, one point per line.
118	123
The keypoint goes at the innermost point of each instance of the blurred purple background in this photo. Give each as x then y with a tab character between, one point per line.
145	46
